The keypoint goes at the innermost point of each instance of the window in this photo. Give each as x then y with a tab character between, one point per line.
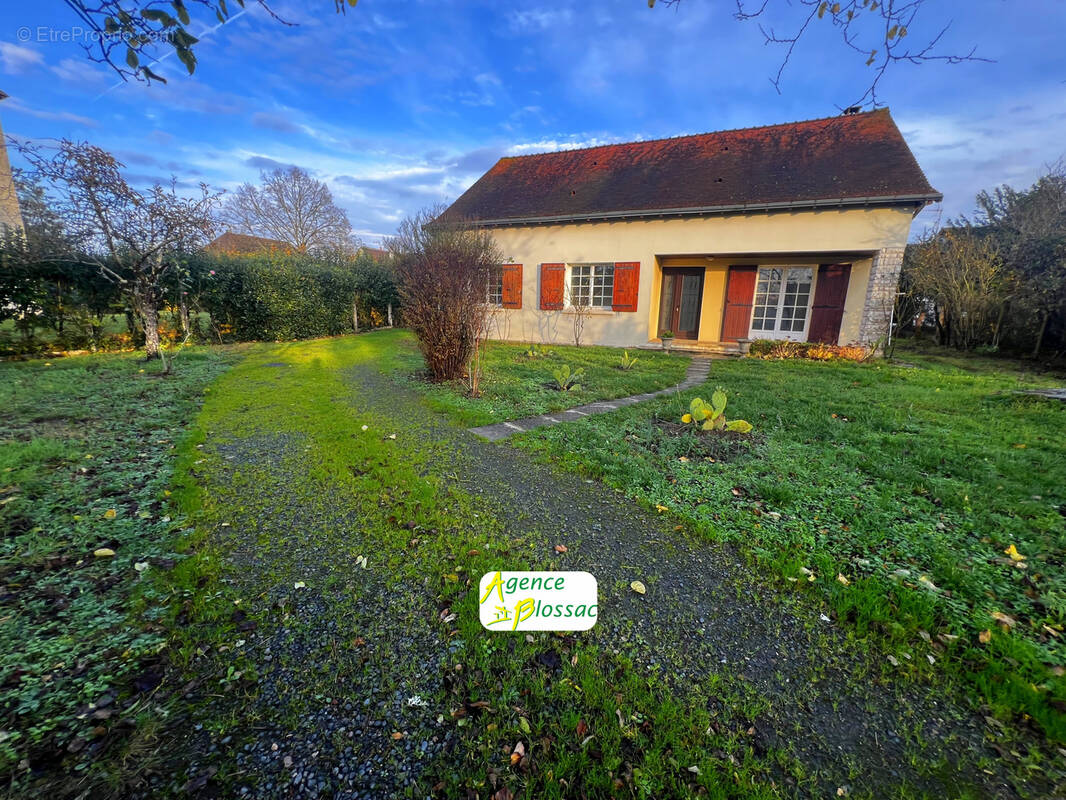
494	290
591	285
782	302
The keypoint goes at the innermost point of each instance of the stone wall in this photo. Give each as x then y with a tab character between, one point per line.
880	294
9	204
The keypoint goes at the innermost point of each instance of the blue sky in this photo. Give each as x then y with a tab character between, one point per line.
397	105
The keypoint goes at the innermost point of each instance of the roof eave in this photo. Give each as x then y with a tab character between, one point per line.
918	200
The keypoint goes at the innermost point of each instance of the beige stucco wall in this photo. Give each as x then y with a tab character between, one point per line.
713	242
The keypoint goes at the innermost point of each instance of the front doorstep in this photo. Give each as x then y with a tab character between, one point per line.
694	346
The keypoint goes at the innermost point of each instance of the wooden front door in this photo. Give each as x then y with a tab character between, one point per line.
740	290
830	292
680	301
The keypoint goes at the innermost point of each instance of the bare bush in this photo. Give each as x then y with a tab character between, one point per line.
443	271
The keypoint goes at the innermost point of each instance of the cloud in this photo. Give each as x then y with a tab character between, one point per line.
78	72
981	147
17	59
540	19
266	164
13	104
274	122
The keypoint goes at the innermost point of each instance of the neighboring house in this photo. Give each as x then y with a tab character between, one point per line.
10	216
791	231
375	253
242	244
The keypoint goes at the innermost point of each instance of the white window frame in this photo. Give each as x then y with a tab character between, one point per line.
779	308
491	284
607	286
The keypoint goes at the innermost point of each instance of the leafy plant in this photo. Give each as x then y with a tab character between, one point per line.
666	335
533	352
711	416
627	362
567	381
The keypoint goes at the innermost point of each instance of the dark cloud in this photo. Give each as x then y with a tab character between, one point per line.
273	122
264	163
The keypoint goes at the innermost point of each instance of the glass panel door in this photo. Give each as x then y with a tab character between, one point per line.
782	303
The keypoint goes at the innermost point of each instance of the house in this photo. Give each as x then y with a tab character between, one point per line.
243	244
375	253
791	231
10	216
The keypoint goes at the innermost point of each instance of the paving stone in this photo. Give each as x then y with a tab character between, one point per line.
697	373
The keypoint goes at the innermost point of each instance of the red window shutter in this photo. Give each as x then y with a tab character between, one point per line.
739	294
512	285
830	292
552	277
626	286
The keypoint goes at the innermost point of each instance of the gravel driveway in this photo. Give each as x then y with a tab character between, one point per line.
319	723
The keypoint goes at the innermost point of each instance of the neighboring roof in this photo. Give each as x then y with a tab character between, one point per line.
856	159
231	243
375	253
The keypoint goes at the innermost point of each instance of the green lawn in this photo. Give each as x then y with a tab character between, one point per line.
907	482
86	456
517	384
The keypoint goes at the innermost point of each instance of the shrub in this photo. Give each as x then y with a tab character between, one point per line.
443	272
815	351
276	296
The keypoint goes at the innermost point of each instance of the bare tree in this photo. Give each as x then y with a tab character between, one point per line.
292	207
578	304
1031	227
443	271
876	31
961	271
132	237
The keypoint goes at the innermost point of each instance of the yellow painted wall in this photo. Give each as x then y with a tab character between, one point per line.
713	242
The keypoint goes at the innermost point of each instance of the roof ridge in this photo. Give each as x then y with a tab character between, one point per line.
883	109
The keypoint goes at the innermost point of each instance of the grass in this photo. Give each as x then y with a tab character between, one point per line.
396	490
517	384
86	457
867	485
907	483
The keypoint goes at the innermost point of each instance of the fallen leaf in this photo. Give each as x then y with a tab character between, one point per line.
893	661
638	587
110	513
842	580
928	584
141	566
519	751
299	585
984	637
1012	551
661	508
523	723
104	552
561	548
1004	619
694	770
582	728
397	735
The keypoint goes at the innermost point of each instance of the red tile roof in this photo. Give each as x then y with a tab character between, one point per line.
231	243
850	159
375	253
